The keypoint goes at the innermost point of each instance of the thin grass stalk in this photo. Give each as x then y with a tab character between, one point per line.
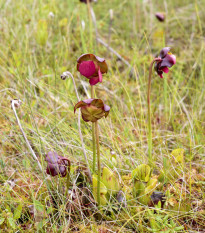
68	179
90	25
17	103
95	24
110	28
65	75
98	160
93	135
149	112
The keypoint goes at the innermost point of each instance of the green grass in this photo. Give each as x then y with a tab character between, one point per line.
34	51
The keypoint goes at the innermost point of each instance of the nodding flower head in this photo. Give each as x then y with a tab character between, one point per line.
57	165
167	60
16	102
92	109
160	16
92	67
86	1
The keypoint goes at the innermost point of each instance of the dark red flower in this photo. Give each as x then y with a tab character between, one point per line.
160	16
92	109
85	1
92	67
167	59
57	165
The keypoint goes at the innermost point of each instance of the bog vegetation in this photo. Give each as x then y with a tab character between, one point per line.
98	134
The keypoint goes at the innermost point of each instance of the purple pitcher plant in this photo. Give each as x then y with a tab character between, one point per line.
163	62
92	67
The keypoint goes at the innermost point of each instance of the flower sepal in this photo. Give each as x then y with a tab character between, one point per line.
167	60
57	165
92	109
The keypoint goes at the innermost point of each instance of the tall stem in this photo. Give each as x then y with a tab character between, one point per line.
149	112
93	135
98	158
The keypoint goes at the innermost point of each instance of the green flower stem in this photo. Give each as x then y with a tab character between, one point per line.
98	158
149	112
93	135
94	146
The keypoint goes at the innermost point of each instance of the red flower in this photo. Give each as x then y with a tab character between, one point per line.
160	16
92	109
85	1
92	67
57	165
167	59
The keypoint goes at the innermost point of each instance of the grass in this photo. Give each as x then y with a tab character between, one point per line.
35	49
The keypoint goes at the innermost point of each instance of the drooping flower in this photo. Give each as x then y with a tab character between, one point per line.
57	165
92	67
167	60
160	16
92	109
85	1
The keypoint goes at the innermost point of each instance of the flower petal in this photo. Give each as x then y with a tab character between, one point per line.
106	109
52	157
79	105
82	103
99	59
52	169
88	101
165	69
87	68
85	1
98	103
57	165
92	109
100	75
94	81
85	57
168	61
91	57
90	113
160	75
85	118
63	170
164	52
100	62
160	16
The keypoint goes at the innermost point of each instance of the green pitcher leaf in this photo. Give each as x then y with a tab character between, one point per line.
42	32
17	212
110	180
142	173
178	155
38	205
151	186
139	188
11	222
103	191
